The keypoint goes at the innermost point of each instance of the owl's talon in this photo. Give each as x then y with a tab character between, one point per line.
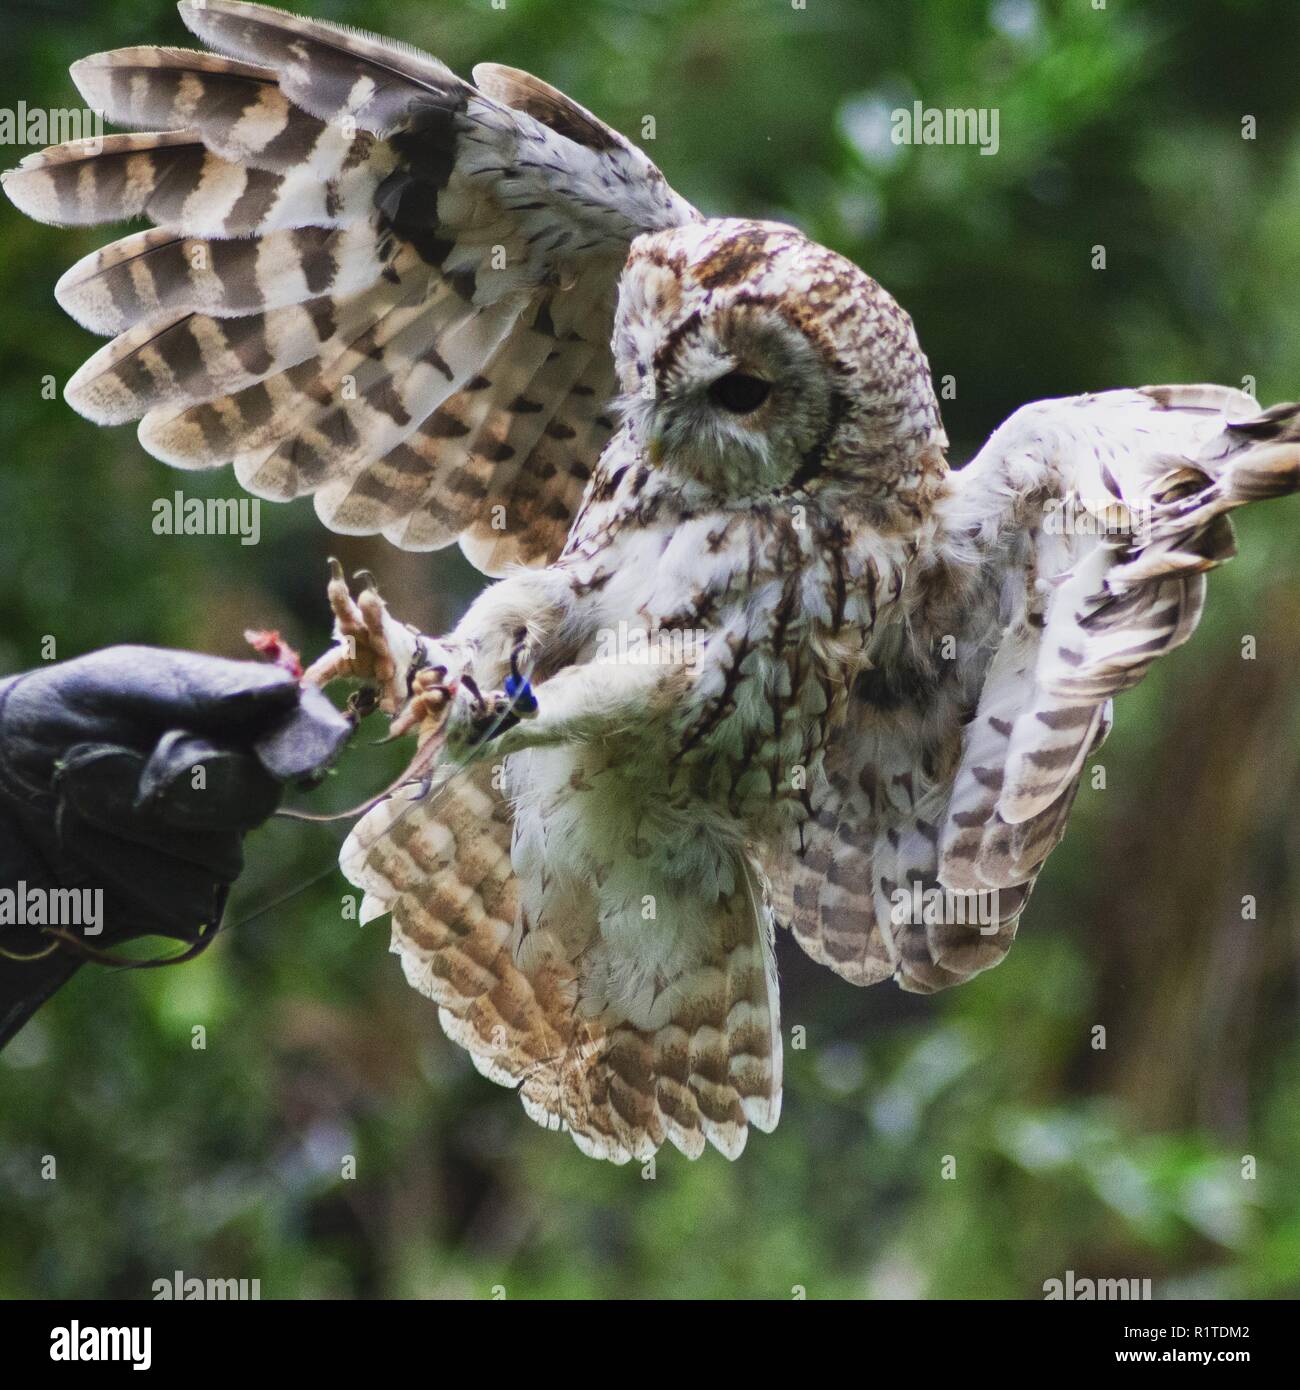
370	644
476	720
414	679
362	703
430	702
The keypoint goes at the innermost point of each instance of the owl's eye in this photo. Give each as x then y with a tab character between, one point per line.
740	393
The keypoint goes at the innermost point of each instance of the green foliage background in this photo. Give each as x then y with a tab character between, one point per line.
1120	126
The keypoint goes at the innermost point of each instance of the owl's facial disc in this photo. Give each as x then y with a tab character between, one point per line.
729	394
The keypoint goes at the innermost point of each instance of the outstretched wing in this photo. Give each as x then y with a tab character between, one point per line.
1071	554
521	974
369	281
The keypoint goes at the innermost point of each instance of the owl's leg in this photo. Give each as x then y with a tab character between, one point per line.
520	622
528	624
579	704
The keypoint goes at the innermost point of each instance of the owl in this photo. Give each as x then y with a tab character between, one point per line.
755	656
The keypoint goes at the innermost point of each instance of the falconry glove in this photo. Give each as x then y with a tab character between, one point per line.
137	772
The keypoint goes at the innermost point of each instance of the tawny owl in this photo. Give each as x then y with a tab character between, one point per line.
758	657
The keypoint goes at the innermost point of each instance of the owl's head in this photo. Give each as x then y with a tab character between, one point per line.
751	359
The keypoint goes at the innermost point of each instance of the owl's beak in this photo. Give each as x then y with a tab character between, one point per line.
655	448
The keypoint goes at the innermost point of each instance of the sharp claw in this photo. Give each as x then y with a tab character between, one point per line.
362	702
362	651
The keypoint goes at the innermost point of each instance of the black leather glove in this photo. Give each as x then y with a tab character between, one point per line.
131	776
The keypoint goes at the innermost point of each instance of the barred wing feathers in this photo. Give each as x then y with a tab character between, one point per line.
522	982
1072	554
368	279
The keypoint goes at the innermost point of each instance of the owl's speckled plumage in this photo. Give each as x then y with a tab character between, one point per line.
790	668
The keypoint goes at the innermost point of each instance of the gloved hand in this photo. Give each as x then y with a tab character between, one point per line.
138	771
